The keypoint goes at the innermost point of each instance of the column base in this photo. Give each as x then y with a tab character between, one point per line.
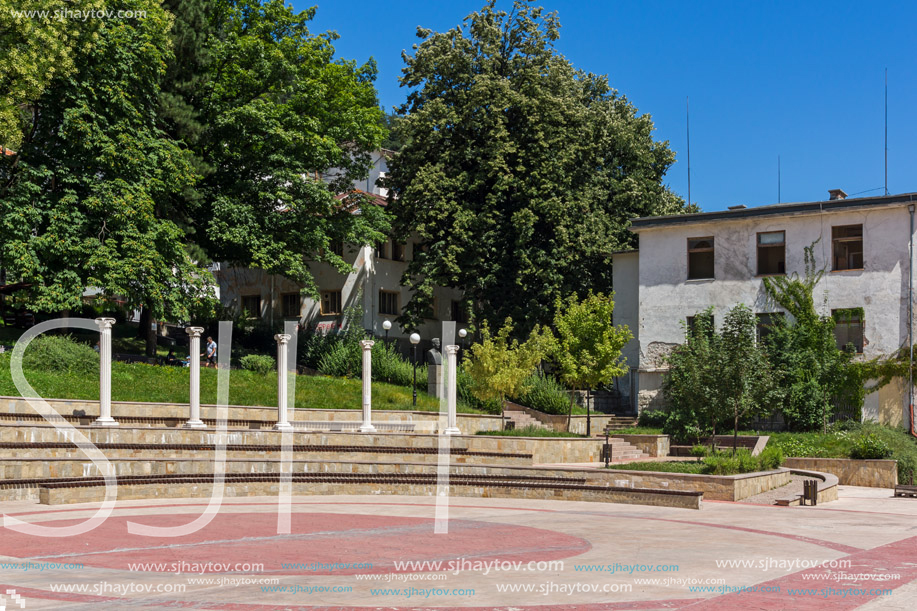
105	421
283	426
194	424
367	428
452	430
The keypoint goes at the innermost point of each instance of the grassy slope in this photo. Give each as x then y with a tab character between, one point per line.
137	382
529	431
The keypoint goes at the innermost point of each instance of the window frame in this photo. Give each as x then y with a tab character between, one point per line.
691	251
758	247
399	251
283	305
381	251
759	326
835	242
862	323
397	297
249	312
340	304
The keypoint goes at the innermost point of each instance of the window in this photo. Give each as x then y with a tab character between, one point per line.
397	251
292	304
847	245
771	253
251	305
700	258
693	321
766	322
848	328
459	312
331	302
382	251
337	247
388	302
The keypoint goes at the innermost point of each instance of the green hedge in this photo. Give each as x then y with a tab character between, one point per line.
61	354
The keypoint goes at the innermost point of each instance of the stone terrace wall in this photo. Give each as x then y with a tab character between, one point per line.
870	473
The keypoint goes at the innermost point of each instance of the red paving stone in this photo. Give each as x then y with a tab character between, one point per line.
251	538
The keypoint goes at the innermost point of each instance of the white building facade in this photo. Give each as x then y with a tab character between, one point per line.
688	263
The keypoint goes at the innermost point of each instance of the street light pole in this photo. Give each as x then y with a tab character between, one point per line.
415	339
386	324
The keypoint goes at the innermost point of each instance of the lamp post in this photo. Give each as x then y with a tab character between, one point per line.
415	339
386	324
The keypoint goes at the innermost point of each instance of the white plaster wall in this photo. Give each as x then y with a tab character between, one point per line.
666	297
626	283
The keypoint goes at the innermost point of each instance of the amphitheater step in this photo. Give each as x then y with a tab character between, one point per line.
92	489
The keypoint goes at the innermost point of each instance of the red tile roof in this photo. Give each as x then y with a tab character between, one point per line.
356	197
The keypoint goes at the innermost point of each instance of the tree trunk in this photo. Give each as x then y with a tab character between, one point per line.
588	415
570	413
146	331
735	434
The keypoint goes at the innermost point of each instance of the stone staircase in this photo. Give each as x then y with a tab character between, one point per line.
620	423
521	420
622	451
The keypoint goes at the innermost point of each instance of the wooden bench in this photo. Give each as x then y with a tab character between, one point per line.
910	491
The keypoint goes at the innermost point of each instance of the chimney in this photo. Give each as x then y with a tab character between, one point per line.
837	194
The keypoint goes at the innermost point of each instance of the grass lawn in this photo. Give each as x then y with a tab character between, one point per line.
682	466
139	382
640	430
529	431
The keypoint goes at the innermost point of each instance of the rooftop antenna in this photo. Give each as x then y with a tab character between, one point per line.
778	180
688	126
886	131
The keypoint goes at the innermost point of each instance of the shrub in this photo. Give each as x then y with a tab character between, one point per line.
61	354
342	360
868	446
770	458
722	463
467	397
529	431
389	366
545	394
258	363
654	418
699	451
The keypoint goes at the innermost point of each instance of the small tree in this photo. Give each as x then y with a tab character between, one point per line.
745	375
690	385
499	366
588	347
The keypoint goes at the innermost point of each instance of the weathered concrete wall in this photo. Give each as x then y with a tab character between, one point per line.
870	473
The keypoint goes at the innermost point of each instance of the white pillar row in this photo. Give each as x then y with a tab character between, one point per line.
367	426
105	418
282	423
195	422
451	390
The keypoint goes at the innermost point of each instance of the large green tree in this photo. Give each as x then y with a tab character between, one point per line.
519	173
36	46
78	207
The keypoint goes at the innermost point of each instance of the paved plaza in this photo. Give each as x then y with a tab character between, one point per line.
380	552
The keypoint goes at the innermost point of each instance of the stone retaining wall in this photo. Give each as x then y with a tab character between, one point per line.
870	473
651	445
95	494
714	487
423	421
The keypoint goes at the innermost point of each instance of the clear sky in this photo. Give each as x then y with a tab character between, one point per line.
802	80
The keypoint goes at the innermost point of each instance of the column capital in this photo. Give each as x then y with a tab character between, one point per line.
105	323
367	344
452	349
194	331
282	338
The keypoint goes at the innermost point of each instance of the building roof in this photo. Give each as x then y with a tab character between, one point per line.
6	151
355	197
793	209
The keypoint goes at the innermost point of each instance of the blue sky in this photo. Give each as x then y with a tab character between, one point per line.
801	80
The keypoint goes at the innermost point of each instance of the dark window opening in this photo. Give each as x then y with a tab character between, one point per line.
251	305
848	328
292	304
766	322
847	245
771	253
331	302
700	258
388	302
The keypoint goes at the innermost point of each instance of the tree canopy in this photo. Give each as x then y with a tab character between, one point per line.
205	133
518	173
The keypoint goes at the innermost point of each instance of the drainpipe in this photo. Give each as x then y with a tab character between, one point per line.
910	322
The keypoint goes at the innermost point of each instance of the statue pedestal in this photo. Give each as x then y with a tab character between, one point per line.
435	380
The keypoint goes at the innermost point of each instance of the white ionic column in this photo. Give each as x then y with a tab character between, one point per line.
451	390
367	426
195	351
105	418
282	423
